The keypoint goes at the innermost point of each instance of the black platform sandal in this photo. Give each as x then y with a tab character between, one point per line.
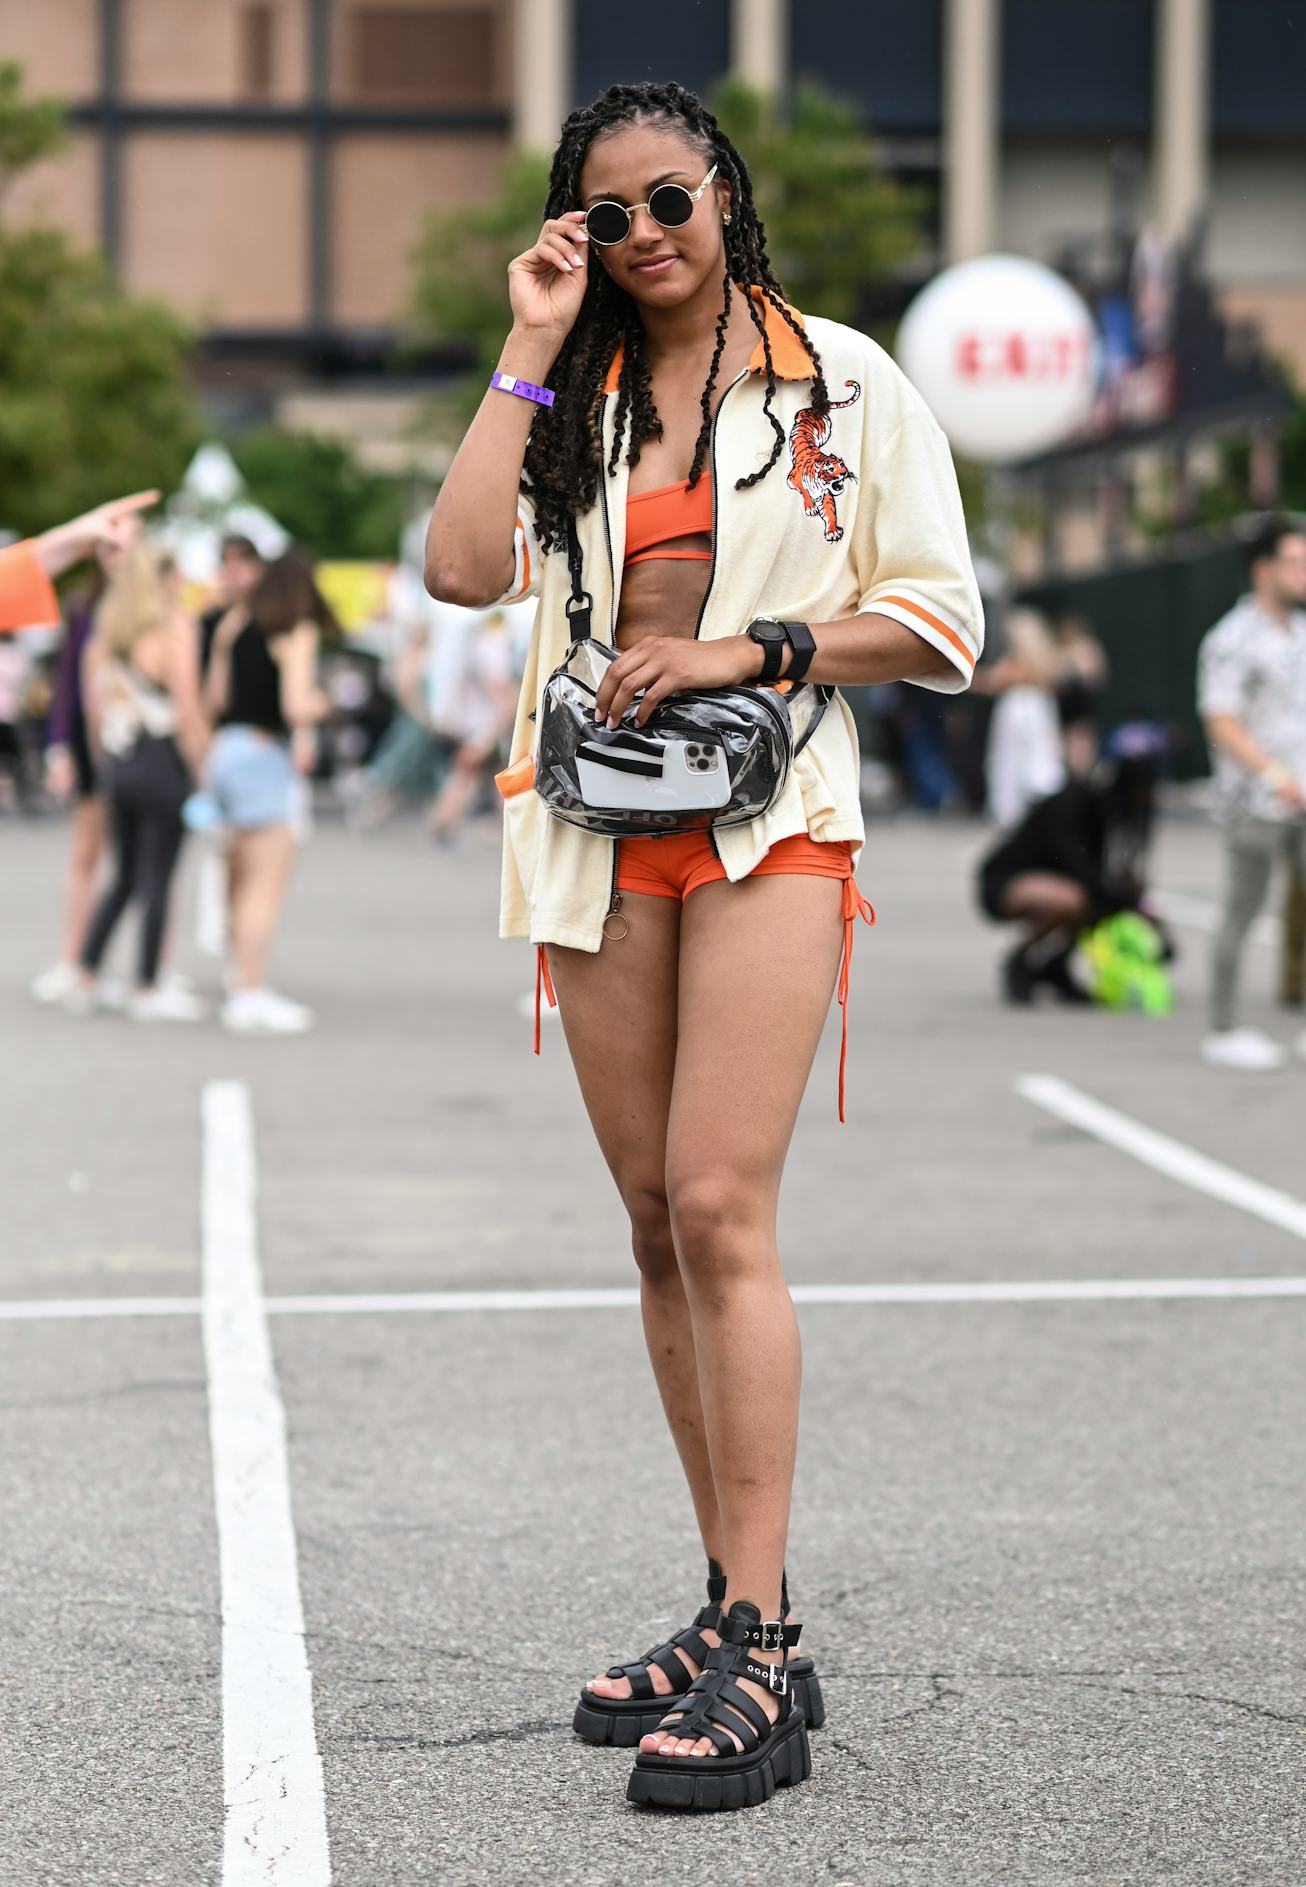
774	1755
621	1721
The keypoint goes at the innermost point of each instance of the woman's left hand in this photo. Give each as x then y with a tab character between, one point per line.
659	666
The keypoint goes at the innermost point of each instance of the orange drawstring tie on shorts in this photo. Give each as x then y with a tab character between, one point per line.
854	906
545	981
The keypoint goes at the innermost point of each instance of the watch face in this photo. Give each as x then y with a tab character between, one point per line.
769	631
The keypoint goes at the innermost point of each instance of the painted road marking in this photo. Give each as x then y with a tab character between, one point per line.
426	1303
274	1832
1163	1155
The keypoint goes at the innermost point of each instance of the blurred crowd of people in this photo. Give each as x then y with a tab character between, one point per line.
149	722
1070	864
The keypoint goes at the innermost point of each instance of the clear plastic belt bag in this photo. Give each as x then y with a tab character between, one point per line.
707	757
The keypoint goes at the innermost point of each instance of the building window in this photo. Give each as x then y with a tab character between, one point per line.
426	55
257	34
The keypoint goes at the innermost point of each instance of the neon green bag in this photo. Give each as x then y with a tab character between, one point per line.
1126	956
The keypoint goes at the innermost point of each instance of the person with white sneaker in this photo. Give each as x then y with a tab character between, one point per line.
142	697
1252	698
261	688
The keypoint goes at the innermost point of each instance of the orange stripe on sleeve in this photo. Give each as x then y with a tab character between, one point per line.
519	595
950	635
27	597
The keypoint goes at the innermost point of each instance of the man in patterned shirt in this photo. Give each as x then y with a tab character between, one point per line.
1252	696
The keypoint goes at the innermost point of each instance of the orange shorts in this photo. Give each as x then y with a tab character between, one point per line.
678	864
683	861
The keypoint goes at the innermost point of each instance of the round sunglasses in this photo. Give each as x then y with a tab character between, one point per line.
670	204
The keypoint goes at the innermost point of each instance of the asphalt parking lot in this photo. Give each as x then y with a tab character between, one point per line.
301	1324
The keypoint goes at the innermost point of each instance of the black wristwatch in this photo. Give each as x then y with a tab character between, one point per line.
771	636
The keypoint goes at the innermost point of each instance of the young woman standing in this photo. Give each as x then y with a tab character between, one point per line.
261	688
142	698
744	483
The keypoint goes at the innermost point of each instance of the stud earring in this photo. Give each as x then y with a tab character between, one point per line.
727	218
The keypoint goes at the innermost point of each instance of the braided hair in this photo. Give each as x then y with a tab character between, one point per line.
564	454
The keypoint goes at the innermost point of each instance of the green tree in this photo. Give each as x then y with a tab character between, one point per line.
94	390
460	268
316	488
836	222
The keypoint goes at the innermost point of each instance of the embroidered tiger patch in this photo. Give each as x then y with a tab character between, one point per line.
817	475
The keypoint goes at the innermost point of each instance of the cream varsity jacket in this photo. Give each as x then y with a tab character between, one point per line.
860	514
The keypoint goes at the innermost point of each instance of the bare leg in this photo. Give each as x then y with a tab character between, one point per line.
757	969
90	832
1046	902
619	1014
260	871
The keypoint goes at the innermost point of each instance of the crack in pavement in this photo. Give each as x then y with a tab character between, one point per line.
1202	1697
515	1733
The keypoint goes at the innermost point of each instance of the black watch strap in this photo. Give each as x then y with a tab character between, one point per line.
803	644
773	651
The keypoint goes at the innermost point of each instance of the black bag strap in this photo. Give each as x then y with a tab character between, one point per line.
580	604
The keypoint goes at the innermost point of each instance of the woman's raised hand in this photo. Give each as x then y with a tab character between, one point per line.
547	285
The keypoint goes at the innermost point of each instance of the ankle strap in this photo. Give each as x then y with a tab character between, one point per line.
716	1585
768	1634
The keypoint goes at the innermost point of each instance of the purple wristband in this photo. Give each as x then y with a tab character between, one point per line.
508	383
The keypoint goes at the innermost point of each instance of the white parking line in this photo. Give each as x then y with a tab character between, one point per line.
427	1303
1163	1155
39	1309
274	1832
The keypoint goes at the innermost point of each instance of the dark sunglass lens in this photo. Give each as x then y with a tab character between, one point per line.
671	205
608	222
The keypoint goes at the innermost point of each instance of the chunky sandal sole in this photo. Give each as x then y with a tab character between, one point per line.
699	1784
622	1721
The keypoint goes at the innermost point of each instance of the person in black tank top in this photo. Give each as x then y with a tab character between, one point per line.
238	574
254	693
262	692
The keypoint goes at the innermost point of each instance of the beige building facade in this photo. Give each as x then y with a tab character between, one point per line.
266	164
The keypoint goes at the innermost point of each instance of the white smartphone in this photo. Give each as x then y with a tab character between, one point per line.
653	776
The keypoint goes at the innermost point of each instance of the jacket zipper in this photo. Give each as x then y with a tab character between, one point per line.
711	455
615	904
612	567
711	573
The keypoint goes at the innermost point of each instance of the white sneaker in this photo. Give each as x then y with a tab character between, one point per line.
80	1000
52	986
111	994
1247	1049
263	1012
178	981
165	1003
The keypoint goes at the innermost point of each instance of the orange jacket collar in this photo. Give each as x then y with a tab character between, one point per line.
791	358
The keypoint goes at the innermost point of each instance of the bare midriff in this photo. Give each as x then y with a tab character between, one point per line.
668	568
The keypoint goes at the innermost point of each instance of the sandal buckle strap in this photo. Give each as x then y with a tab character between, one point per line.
772	1635
774	1676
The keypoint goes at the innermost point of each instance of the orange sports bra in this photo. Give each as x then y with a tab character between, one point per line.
655	519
